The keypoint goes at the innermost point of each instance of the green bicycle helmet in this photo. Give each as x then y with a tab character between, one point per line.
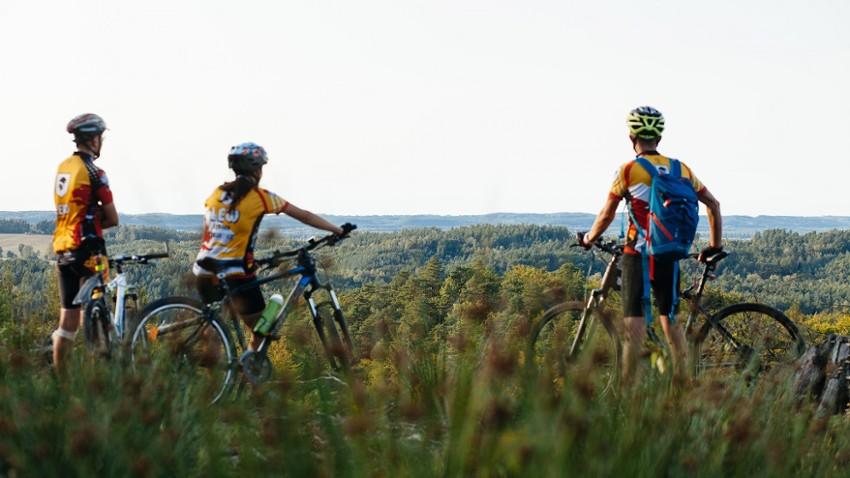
645	122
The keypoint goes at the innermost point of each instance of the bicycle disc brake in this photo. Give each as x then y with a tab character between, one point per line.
256	367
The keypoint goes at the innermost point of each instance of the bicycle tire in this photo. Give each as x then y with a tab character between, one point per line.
337	352
99	334
552	337
766	338
172	330
346	333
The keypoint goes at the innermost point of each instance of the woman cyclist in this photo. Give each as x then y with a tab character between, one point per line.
231	222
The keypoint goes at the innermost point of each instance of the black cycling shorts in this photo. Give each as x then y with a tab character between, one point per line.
631	291
247	301
72	269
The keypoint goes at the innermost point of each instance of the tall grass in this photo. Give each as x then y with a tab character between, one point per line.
464	405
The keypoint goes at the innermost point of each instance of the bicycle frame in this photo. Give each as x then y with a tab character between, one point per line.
736	331
598	295
693	295
119	287
307	284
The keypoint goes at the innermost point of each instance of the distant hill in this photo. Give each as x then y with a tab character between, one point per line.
733	226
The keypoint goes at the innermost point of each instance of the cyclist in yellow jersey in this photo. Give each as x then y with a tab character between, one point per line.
84	207
632	182
231	222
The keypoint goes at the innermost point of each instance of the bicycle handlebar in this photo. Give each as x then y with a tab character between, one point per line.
612	247
609	246
139	258
276	257
712	259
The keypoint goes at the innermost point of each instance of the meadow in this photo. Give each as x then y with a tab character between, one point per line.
441	387
466	406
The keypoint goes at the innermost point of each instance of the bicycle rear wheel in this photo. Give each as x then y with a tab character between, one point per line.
749	336
97	328
338	352
196	350
552	338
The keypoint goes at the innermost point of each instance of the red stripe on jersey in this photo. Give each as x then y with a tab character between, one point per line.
627	173
265	205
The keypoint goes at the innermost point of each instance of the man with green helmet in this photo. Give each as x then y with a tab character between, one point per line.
633	183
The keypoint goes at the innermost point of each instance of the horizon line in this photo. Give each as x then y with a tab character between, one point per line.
34	211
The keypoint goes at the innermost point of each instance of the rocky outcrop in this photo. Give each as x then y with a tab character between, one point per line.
823	375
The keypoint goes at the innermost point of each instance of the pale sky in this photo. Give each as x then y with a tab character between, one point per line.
429	107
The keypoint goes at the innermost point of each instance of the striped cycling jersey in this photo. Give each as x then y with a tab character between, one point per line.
633	183
72	195
229	234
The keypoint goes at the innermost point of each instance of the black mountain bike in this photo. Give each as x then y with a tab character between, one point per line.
197	341
740	336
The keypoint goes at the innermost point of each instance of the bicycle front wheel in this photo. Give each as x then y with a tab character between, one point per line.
551	349
173	331
97	328
748	336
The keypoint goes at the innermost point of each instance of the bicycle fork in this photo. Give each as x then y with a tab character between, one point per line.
123	291
337	317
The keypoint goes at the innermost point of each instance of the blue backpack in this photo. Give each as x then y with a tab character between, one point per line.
673	218
673	212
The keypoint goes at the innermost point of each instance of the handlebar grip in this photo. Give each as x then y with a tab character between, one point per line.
580	236
717	257
347	228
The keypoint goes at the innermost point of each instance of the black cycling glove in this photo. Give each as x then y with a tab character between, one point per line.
709	252
580	239
347	228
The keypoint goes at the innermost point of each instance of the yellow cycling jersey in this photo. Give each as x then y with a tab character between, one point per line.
230	231
74	200
633	183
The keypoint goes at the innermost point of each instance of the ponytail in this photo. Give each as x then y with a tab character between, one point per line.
239	188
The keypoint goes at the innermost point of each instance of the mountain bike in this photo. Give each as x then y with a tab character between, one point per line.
195	340
741	336
104	329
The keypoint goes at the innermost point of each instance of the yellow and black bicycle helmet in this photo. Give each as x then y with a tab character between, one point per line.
645	122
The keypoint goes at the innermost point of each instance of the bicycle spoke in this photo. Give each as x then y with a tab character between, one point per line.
552	339
174	333
748	337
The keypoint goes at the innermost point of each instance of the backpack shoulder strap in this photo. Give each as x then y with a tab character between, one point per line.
649	167
94	182
89	230
675	168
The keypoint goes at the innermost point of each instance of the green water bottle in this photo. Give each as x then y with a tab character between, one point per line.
273	308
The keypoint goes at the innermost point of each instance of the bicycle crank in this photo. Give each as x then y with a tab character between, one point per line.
256	367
